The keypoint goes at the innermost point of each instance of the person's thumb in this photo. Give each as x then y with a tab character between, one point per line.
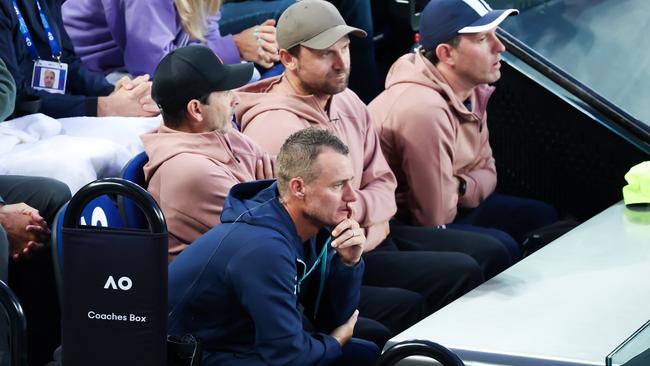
353	319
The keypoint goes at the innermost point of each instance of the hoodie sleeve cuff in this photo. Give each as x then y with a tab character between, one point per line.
333	348
90	107
375	235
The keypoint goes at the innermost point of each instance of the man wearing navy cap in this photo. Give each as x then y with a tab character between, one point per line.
433	127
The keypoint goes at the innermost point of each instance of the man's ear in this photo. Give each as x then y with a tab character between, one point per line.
289	61
444	53
194	110
297	188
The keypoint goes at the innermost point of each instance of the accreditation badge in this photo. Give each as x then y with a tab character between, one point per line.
50	76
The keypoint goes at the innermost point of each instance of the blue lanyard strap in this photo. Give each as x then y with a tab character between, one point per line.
54	46
29	40
322	259
25	33
323	272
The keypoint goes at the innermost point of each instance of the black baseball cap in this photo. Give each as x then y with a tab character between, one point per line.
191	72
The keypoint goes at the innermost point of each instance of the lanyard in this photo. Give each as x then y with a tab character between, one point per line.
322	259
24	31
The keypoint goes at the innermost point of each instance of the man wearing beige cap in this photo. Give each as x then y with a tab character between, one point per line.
313	40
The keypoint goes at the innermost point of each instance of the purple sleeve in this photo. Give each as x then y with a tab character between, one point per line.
146	42
223	46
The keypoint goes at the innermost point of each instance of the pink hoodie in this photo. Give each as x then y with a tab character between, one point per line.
270	116
190	174
430	139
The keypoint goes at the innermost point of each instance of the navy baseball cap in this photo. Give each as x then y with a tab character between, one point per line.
441	20
191	72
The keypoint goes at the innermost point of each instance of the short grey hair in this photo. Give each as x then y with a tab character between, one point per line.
299	153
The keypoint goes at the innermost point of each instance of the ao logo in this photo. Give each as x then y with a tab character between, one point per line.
123	283
97	218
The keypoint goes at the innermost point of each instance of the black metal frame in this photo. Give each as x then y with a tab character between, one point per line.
409	348
17	325
637	129
117	186
73	209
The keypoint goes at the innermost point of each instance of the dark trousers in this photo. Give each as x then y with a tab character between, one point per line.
395	308
383	313
506	218
439	276
365	328
44	194
487	251
33	279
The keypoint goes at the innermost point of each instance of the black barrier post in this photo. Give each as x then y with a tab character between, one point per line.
402	350
118	186
114	284
17	326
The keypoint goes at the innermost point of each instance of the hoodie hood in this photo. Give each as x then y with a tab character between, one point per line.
164	143
257	204
414	68
257	98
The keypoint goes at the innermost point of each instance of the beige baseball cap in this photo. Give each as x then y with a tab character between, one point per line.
315	24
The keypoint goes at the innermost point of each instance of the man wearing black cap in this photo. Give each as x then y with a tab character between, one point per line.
433	127
194	157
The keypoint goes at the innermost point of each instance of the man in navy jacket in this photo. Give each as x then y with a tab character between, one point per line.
87	93
284	251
